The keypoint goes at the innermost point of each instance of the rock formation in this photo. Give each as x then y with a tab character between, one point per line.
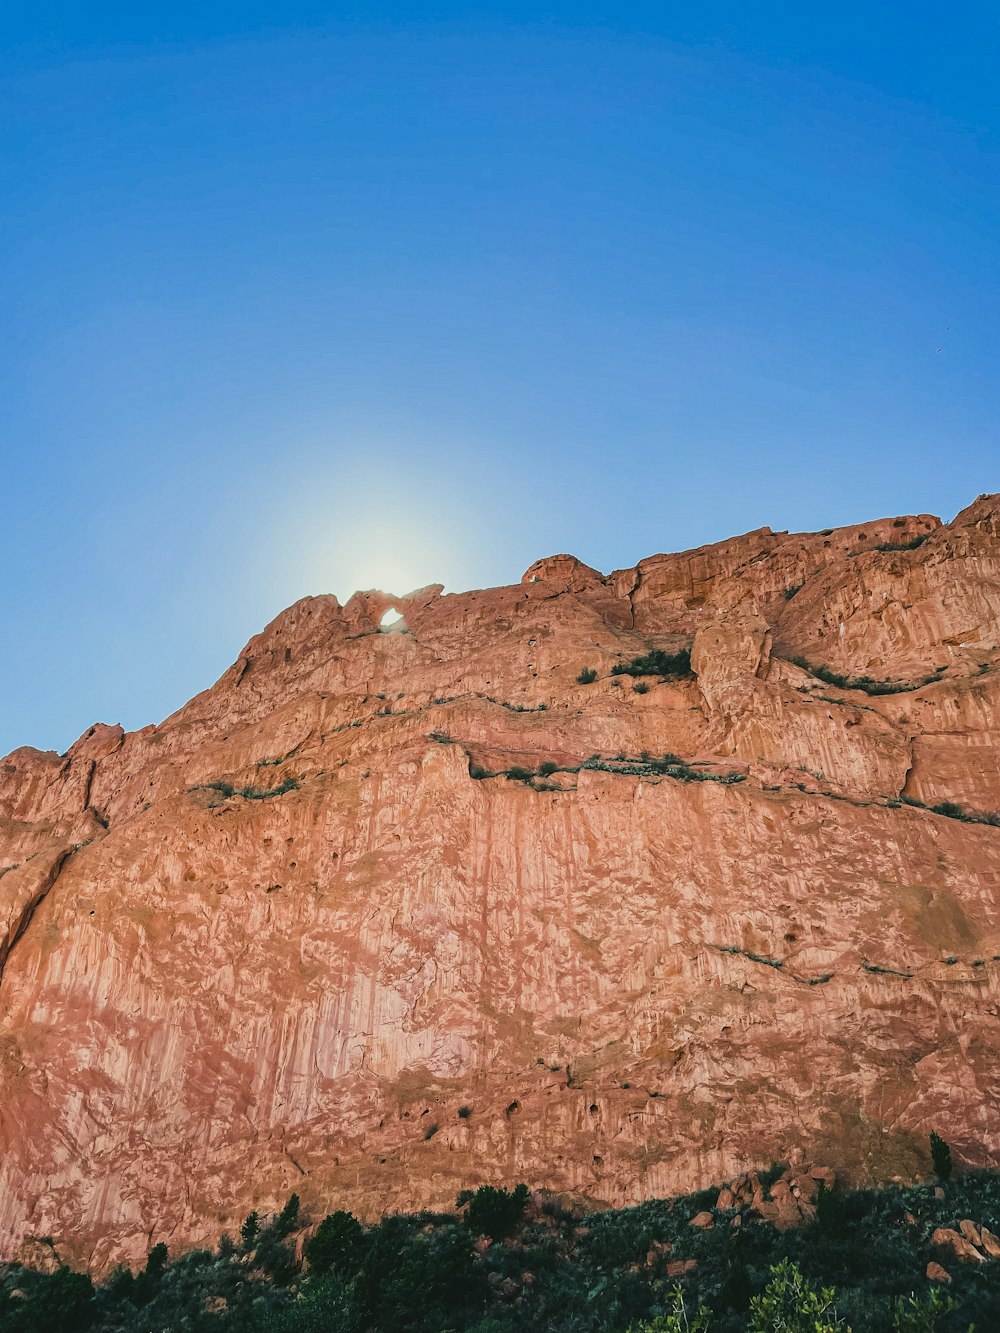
385	915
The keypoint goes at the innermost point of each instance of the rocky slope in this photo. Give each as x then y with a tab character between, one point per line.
299	937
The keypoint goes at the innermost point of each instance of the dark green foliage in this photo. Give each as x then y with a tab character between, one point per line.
773	1172
737	1286
287	1218
226	789
60	1302
250	1230
763	958
866	683
669	766
464	1112
156	1260
669	666
496	1212
587	676
952	810
418	1279
940	1157
922	1314
325	1305
640	687
903	546
885	971
337	1246
548	1269
273	1254
792	590
831	1212
143	1288
949	808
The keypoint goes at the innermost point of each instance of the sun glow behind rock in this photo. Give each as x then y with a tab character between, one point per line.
367	539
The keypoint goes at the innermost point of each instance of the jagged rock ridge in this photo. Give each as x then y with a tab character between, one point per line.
298	937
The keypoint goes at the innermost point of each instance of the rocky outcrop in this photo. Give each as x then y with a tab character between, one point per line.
385	915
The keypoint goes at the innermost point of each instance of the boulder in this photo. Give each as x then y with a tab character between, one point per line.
945	1238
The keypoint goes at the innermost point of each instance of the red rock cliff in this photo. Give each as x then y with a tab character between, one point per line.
294	939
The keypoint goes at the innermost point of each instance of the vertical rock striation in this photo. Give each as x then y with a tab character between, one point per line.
370	878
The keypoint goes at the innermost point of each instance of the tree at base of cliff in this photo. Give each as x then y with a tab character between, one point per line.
496	1212
325	1306
940	1157
419	1283
60	1302
338	1245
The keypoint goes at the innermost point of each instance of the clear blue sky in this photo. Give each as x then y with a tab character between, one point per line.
302	298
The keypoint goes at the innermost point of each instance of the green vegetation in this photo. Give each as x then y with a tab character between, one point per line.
951	810
226	789
886	971
501	1263
337	1246
940	1157
766	959
669	766
587	676
511	708
677	1318
668	666
496	1212
791	590
790	1303
903	546
866	683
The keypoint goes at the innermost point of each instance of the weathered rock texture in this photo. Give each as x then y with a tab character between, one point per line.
292	939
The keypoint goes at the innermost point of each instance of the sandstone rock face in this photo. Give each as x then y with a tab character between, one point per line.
297	937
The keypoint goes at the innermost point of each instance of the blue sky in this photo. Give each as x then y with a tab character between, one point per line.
305	298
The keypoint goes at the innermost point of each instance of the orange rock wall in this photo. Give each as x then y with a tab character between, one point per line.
211	996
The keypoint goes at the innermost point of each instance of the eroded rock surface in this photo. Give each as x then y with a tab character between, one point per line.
307	934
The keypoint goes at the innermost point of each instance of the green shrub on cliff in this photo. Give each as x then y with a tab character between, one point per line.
669	666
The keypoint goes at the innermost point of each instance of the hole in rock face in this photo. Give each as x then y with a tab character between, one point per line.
390	619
